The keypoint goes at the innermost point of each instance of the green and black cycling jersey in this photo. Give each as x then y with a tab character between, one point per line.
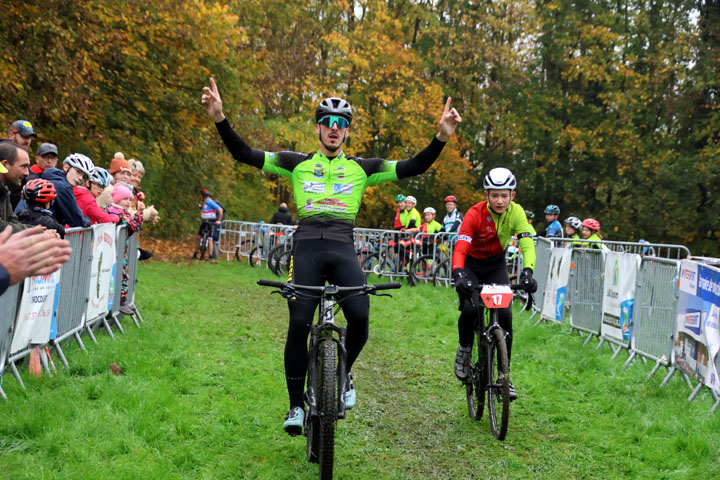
328	191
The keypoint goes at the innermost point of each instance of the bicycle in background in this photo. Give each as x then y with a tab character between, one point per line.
204	239
489	371
327	369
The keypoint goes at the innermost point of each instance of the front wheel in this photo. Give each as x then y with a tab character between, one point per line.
475	388
420	270
321	429
498	392
442	276
256	257
203	244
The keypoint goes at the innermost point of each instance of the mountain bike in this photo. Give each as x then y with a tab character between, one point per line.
327	368
489	369
205	238
425	266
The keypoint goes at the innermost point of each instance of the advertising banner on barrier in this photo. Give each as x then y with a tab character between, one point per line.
557	283
35	322
102	271
697	332
619	295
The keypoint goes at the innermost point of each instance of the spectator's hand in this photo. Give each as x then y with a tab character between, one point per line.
463	284
213	103
140	196
32	251
140	206
527	281
448	122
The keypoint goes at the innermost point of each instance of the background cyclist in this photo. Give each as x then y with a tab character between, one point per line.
454	217
530	217
553	228
328	186
212	213
479	257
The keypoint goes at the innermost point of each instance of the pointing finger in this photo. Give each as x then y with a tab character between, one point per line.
447	105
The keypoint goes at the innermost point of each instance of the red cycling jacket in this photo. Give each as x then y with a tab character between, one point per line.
89	207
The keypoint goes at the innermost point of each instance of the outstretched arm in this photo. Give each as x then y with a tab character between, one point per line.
240	150
421	162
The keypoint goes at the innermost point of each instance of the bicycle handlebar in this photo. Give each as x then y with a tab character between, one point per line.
335	289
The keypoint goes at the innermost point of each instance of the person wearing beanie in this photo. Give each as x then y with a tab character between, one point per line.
120	173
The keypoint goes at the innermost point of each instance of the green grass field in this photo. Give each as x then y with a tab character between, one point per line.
202	396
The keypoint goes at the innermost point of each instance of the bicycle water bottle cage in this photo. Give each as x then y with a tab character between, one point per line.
496	296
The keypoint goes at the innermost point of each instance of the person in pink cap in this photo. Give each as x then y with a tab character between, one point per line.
122	198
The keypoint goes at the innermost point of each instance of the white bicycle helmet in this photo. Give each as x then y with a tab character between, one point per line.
500	179
429	210
81	162
334	106
412	199
100	176
574	222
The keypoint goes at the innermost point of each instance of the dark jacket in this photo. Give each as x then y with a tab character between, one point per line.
7	217
40	216
283	217
66	209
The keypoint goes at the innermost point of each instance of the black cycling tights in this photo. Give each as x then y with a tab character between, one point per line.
313	263
491	270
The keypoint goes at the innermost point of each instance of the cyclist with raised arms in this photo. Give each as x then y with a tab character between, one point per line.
479	258
328	186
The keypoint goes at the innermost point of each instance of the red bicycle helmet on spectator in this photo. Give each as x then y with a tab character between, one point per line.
39	190
450	198
591	223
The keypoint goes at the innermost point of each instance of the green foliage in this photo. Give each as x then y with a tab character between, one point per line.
606	108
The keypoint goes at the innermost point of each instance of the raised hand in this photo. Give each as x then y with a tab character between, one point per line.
213	103
32	251
448	122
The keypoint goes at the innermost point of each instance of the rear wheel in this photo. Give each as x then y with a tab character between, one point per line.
370	264
242	250
475	388
283	264
421	270
498	393
442	276
273	258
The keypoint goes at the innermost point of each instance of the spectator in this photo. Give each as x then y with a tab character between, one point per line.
400	202
553	229
39	195
591	231
86	195
282	216
21	133
453	218
212	212
430	226
46	157
410	218
572	228
122	198
28	253
120	172
137	172
530	217
77	169
14	162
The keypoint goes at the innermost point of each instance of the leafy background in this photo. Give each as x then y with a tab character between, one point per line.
607	108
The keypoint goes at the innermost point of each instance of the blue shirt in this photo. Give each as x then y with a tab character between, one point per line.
210	210
554	229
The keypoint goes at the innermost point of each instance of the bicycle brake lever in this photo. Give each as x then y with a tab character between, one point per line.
382	295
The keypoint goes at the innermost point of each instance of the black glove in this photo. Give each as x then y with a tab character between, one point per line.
527	281
463	284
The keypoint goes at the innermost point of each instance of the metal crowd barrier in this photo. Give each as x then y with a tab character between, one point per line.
586	291
656	303
543	248
71	306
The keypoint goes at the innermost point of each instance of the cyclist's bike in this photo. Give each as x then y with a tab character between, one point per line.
327	369
489	370
205	238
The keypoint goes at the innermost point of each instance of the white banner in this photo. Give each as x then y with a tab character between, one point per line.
556	286
35	322
619	295
102	271
697	330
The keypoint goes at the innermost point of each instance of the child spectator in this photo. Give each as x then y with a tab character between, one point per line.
120	173
554	229
122	198
572	229
400	202
530	217
39	195
453	218
86	197
591	231
430	226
